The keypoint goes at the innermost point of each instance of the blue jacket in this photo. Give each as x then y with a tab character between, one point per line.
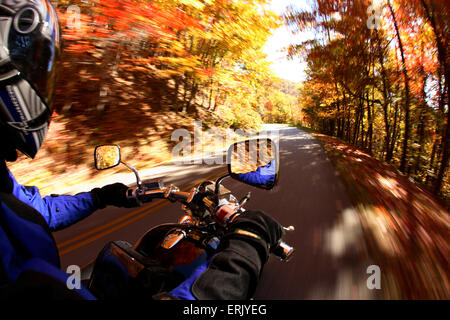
27	248
263	175
26	242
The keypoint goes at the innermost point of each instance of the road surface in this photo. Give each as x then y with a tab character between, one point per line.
330	261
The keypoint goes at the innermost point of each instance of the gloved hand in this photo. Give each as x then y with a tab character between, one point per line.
112	194
234	271
258	228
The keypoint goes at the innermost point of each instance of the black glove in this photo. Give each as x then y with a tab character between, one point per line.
112	194
234	271
258	228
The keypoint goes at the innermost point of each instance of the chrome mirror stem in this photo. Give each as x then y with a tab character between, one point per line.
138	179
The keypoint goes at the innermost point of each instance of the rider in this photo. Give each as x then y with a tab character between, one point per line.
29	261
264	175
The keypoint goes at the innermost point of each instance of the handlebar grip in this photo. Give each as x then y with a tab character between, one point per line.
283	251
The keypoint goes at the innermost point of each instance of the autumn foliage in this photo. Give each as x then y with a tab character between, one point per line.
183	53
378	78
133	71
130	65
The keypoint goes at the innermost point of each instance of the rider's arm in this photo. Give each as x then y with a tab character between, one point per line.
58	211
64	211
263	175
61	211
251	177
234	271
232	274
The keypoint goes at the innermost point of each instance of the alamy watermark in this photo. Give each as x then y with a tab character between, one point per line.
207	147
374	280
73	22
74	279
374	12
74	18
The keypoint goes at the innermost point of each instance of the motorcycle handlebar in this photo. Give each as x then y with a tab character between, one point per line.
155	190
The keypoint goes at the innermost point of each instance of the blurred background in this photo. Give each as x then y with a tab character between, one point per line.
134	71
369	79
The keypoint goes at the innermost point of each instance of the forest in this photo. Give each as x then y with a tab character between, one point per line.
132	71
177	55
378	78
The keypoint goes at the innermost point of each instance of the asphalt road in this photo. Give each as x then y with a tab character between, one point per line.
330	261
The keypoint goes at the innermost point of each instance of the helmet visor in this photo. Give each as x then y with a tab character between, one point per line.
29	51
34	46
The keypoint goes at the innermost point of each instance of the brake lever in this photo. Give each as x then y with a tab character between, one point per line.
244	200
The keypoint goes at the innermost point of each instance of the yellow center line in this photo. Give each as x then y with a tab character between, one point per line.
111	223
108	231
157	205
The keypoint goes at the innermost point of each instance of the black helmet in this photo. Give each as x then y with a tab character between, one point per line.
29	52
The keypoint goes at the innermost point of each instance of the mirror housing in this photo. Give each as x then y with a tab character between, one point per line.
254	162
106	156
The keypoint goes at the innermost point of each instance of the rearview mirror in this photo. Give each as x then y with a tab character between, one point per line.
254	162
106	156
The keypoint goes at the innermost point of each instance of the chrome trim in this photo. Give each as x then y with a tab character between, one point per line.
8	9
5	26
5	60
168	191
8	75
138	179
34	23
172	238
192	193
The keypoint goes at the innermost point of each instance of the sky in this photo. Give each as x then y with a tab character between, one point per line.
287	69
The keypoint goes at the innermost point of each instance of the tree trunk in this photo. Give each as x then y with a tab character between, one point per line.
442	57
403	161
370	115
390	151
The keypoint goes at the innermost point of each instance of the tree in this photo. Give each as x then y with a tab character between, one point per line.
382	89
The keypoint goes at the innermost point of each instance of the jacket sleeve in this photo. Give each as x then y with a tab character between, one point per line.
58	211
63	211
251	177
256	177
232	274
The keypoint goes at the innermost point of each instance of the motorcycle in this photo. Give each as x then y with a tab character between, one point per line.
167	254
